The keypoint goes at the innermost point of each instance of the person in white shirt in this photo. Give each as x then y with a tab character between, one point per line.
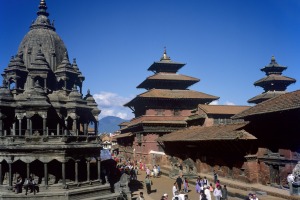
218	192
290	179
177	196
207	192
174	189
254	197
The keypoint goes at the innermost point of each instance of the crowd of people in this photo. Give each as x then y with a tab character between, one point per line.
28	184
181	186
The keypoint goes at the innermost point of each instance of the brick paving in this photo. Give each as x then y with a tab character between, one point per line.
237	190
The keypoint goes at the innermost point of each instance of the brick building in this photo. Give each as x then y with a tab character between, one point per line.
163	108
264	149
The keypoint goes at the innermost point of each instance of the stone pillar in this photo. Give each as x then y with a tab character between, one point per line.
1	178
57	129
20	127
27	170
88	170
99	168
46	174
45	85
9	174
76	171
44	126
75	126
63	173
30	123
28	126
1	127
85	130
14	128
66	125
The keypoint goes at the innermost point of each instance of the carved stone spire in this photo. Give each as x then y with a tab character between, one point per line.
42	20
43	9
165	56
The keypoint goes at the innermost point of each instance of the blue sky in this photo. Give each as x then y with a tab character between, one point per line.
224	43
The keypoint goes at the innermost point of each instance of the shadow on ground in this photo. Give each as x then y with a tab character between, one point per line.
135	185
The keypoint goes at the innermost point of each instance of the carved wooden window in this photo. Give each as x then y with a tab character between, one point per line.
160	112
176	112
138	137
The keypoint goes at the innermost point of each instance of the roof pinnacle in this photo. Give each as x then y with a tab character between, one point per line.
273	59
43	8
165	56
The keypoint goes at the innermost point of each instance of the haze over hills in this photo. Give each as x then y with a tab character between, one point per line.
109	124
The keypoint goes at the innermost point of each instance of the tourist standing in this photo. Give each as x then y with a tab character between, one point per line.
218	192
224	193
198	185
207	192
185	185
158	169
179	183
215	176
148	183
174	189
290	180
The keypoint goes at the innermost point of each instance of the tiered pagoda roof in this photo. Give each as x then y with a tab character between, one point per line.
285	102
273	84
211	133
167	86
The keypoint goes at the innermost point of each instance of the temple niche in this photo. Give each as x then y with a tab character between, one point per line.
44	119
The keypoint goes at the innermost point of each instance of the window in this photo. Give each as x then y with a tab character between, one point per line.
160	112
176	112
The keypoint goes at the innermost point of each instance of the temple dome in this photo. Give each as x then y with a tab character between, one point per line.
42	36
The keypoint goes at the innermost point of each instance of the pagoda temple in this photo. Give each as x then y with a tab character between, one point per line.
163	108
44	120
274	83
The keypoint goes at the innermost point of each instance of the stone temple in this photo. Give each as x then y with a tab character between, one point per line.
44	120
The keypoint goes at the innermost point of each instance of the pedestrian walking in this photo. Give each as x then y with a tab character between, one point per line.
218	193
148	183
179	183
224	193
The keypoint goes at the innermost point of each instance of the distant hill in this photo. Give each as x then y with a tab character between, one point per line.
110	124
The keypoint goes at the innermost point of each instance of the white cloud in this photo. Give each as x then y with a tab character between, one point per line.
216	102
229	103
111	104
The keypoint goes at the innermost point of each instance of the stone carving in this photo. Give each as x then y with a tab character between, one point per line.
189	166
296	173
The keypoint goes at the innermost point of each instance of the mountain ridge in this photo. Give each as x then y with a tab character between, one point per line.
110	124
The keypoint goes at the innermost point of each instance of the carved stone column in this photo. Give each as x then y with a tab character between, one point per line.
1	127
9	174
75	126
85	130
44	125
76	170
57	129
14	129
46	174
99	168
20	127
63	173
28	126
2	116
88	169
66	125
1	178
27	170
